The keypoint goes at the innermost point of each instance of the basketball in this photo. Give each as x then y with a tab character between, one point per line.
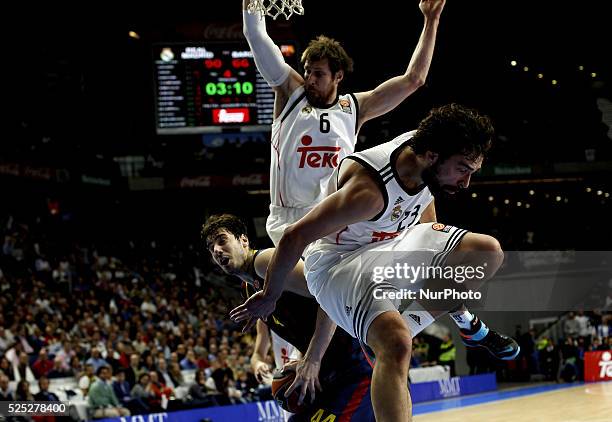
280	383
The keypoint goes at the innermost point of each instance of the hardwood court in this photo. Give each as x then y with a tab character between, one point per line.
587	402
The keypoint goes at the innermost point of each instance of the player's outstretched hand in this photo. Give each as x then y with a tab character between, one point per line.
257	306
306	378
432	9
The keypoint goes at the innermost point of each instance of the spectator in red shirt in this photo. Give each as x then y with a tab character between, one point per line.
42	365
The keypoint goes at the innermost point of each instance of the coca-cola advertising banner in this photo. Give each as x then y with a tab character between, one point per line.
598	366
253	179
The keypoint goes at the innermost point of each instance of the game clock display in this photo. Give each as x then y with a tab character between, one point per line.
205	88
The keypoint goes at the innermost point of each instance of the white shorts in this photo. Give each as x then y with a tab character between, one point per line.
280	218
344	284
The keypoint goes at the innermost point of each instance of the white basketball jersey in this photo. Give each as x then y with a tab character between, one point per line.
307	145
403	206
284	352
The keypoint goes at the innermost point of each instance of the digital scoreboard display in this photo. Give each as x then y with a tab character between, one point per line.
208	87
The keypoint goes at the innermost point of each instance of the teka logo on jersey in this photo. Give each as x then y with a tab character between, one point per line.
317	157
606	365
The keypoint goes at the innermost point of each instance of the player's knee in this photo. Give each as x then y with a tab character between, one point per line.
490	244
394	346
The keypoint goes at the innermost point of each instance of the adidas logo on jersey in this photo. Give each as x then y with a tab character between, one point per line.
399	200
416	318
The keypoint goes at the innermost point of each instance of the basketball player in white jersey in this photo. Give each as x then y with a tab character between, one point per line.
314	127
369	220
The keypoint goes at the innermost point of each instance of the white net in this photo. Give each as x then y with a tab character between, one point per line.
275	8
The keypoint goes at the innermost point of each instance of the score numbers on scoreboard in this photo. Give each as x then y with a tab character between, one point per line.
204	88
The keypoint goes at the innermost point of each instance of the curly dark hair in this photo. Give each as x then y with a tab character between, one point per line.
454	129
216	222
324	47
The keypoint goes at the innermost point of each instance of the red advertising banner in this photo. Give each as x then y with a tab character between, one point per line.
598	366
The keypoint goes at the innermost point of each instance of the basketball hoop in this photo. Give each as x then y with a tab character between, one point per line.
275	8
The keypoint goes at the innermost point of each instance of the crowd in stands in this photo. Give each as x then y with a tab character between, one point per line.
127	334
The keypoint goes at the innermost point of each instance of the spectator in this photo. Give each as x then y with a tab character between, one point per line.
96	360
87	379
58	370
43	393
190	361
448	353
142	391
22	393
112	356
65	355
199	392
550	358
571	326
584	325
42	365
22	370
162	393
5	368
6	339
176	374
102	399
76	367
164	376
134	370
6	394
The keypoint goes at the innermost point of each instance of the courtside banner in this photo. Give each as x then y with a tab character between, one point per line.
598	366
453	387
267	411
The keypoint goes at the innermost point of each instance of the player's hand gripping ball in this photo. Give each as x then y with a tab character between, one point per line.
280	383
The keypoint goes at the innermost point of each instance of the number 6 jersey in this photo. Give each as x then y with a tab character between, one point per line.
307	144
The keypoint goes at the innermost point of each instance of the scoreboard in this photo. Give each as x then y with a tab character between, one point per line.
213	86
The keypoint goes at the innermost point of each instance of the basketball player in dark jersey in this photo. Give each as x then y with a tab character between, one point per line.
335	360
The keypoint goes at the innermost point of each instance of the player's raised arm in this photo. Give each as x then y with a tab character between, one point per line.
269	59
392	92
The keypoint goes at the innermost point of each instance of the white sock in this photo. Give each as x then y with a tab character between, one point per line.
462	319
417	318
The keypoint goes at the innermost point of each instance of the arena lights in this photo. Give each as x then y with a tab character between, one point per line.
134	35
589	189
525	69
554	82
558	199
540	75
527	206
593	75
519	204
599	193
491	199
513	63
531	192
506	201
607	194
474	195
580	67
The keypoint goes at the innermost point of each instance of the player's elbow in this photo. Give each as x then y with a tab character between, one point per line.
414	81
